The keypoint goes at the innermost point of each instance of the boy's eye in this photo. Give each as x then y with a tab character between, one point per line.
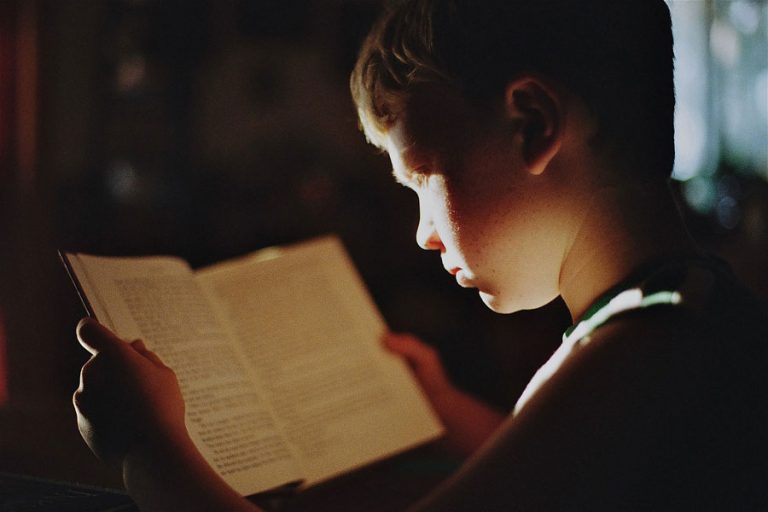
420	175
419	179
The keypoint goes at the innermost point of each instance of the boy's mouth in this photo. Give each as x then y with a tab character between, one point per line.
462	279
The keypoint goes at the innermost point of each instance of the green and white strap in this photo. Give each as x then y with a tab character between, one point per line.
625	301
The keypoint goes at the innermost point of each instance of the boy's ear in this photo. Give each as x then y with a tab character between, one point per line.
538	111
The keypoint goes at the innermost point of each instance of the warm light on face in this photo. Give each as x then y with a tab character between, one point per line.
466	224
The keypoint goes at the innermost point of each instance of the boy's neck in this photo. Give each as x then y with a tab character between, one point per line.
622	227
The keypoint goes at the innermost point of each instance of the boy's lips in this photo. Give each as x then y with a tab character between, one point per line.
461	277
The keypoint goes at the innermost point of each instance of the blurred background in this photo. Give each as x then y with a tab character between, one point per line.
209	129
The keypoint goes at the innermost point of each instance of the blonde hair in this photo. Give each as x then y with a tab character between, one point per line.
616	56
396	56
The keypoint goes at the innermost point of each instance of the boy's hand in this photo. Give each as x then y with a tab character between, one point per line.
130	411
468	422
127	397
425	364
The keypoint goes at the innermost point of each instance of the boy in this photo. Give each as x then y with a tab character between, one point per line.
538	138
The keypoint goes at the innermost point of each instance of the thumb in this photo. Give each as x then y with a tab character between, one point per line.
94	337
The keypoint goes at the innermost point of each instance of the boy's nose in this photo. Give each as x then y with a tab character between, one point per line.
427	237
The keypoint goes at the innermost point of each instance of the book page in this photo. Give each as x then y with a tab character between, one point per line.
159	301
312	335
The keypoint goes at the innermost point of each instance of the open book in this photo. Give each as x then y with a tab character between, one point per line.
278	356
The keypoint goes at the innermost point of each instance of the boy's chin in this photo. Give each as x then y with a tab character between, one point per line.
505	305
497	304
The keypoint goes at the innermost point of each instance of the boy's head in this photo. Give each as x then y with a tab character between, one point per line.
615	56
508	118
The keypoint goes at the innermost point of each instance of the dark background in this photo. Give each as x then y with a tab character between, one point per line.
208	129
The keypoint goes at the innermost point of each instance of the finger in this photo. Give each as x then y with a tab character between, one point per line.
91	374
83	406
89	434
410	347
138	346
94	337
423	360
84	425
92	379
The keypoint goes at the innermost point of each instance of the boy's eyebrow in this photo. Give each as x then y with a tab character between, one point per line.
406	161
